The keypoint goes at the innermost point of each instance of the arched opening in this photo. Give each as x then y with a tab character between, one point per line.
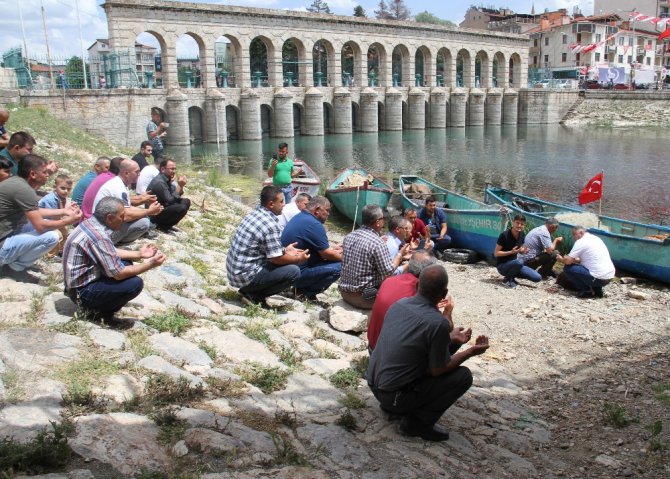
482	70
293	69
114	70
232	122
515	71
226	52
350	58
376	65
298	113
400	66
323	54
445	68
188	61
498	70
355	116
423	66
328	118
267	127
463	69
259	50
195	124
381	116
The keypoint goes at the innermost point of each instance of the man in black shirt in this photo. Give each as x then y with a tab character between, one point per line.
510	243
169	195
412	371
146	148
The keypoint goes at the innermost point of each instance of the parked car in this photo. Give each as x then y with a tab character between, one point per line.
542	84
621	86
565	84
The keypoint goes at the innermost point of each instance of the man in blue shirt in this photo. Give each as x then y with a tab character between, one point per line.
436	220
324	264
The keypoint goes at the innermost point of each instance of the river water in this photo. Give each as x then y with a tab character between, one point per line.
552	162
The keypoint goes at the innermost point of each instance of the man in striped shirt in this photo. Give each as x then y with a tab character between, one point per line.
99	277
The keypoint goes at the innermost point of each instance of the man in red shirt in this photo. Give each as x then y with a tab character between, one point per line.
394	288
419	229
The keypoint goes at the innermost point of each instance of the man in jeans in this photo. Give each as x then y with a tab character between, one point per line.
508	246
99	277
541	248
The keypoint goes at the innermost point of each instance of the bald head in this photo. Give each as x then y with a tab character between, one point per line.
4	116
433	282
129	171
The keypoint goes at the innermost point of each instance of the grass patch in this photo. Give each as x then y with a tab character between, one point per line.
345	378
287	454
360	364
209	350
347	421
139	342
228	388
351	401
326	353
36	312
662	392
80	400
255	311
265	378
256	331
174	321
655	429
320	333
199	265
616	415
47	451
162	390
15	386
86	372
288	357
171	427
73	327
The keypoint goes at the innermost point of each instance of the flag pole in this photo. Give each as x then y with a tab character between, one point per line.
600	200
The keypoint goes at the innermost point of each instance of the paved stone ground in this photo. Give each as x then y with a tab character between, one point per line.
536	408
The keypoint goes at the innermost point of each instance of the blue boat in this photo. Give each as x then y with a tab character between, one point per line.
637	248
349	197
471	224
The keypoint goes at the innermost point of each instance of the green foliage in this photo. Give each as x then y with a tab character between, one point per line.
360	364
267	379
287	454
359	12
80	400
287	418
174	321
347	421
319	6
351	401
427	17
256	330
662	392
345	378
139	342
162	390
171	427
288	357
36	308
228	388
85	372
200	266
209	350
615	415
655	429
48	450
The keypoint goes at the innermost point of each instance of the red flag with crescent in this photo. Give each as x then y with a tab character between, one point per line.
664	35
593	190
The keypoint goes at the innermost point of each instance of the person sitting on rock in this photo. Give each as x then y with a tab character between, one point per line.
169	194
419	230
509	244
257	263
297	204
58	199
398	236
27	232
101	165
146	150
136	220
20	145
395	288
411	371
541	249
5	169
588	266
99	277
92	189
436	221
307	231
366	261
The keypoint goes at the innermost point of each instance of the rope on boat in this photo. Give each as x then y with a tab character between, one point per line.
358	191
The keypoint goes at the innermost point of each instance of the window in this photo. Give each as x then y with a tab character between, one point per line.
598	37
535	60
630	58
565	38
546	59
622	40
535	42
648	61
630	41
620	58
579	38
597	57
564	57
578	56
546	41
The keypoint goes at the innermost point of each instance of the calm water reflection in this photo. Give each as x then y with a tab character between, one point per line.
548	161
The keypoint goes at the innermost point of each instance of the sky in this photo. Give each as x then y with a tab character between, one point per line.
64	35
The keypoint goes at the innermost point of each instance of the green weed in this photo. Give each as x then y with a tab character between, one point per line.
86	371
139	342
266	378
615	415
80	400
48	450
36	308
257	331
360	364
171	427
662	392
174	321
347	421
208	349
351	401
200	266
655	429
288	357
161	390
287	454
227	388
345	378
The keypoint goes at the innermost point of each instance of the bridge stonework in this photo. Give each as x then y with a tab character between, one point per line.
248	111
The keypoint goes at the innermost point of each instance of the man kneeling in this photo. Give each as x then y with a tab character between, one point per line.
99	277
411	371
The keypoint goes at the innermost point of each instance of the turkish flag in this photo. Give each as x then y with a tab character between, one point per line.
593	190
664	35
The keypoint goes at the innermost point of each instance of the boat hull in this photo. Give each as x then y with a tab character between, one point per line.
471	223
350	201
628	242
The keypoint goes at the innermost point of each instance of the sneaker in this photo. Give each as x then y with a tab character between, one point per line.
510	283
414	428
151	234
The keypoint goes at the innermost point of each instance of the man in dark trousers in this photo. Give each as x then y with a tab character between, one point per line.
411	370
169	194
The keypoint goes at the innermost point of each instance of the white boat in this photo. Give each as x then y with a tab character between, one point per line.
307	182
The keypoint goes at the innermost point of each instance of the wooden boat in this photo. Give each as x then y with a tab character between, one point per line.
350	200
637	248
471	224
308	181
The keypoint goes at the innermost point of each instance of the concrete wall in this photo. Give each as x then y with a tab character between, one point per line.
8	80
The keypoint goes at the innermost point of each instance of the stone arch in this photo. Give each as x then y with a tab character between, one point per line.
298	117
191	65
482	70
355	116
323	60
351	64
381	116
464	71
377	69
400	66
499	70
227	68
423	65
293	62
234	128
445	67
261	49
152	74
267	120
514	72
196	126
328	118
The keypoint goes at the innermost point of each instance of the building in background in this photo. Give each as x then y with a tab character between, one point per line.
112	69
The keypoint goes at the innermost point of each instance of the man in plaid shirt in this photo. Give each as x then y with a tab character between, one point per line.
366	261
257	263
99	277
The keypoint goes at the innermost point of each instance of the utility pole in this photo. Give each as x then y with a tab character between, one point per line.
46	39
81	44
23	32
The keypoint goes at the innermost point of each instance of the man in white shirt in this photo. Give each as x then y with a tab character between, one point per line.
293	208
588	266
147	174
136	221
399	238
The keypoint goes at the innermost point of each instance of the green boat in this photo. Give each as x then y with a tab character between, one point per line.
638	248
354	188
471	224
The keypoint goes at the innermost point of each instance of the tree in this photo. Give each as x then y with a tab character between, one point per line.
318	6
359	11
383	12
398	10
427	17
